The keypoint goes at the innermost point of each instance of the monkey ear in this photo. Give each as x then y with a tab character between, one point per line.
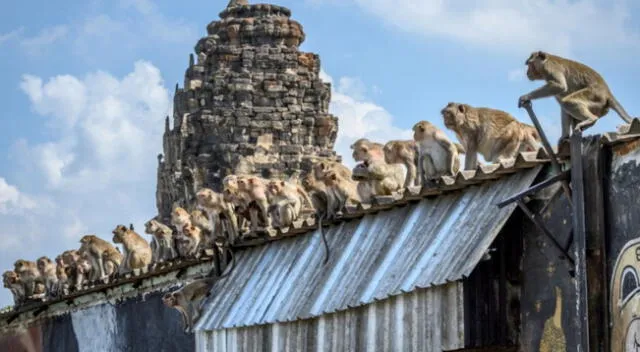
542	55
461	108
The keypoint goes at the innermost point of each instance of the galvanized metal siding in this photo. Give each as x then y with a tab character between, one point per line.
423	320
429	243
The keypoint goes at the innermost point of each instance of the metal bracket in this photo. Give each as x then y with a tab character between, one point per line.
548	149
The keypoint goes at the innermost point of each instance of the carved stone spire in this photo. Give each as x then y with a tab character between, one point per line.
250	101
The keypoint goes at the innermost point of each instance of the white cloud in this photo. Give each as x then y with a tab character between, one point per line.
512	25
12	200
48	36
5	37
108	124
359	117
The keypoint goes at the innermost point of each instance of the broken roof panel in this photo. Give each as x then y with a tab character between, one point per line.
380	255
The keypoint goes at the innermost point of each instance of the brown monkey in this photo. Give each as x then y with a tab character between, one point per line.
12	281
531	141
187	300
381	178
200	219
321	167
493	133
438	155
137	252
29	275
112	260
162	244
94	247
190	244
84	271
180	218
286	200
69	259
220	211
254	189
47	270
344	190
405	153
62	273
582	93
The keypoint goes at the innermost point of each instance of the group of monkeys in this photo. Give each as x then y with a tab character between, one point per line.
249	203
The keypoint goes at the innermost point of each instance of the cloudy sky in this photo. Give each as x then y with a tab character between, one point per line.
86	87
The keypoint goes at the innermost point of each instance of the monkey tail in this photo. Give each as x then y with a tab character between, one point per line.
324	240
617	107
460	148
233	263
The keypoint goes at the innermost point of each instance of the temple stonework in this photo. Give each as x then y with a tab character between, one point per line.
251	103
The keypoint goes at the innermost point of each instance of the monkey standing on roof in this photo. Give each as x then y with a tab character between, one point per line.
582	93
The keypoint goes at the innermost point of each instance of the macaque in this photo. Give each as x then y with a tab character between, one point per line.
200	219
112	260
344	191
493	133
187	300
47	270
62	274
94	247
252	189
531	141
285	202
84	270
189	245
29	275
405	153
223	218
180	218
12	281
582	93
163	238
68	259
438	155
317	191
327	194
382	178
137	252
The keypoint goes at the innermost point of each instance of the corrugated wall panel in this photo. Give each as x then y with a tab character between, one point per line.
429	319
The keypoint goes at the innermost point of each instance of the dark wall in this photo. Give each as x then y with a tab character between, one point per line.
622	199
140	324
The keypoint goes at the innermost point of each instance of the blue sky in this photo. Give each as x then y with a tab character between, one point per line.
86	87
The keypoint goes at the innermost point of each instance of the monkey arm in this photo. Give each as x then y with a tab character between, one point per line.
450	147
555	85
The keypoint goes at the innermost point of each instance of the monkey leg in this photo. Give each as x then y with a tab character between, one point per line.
471	157
411	179
429	168
507	151
581	104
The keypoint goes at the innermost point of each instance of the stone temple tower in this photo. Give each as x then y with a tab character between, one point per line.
251	103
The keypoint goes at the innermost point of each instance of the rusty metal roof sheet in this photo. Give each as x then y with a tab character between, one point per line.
427	243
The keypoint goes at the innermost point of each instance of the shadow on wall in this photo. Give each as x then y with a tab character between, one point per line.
133	325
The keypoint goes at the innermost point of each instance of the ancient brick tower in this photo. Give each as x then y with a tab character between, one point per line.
251	103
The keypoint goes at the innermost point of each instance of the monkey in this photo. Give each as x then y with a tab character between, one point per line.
323	193
11	280
137	252
84	270
285	202
405	153
382	178
187	300
200	219
317	192
62	274
252	189
112	259
438	155
163	237
531	140
190	244
582	93
94	248
493	133
180	218
47	270
220	211
29	276
343	190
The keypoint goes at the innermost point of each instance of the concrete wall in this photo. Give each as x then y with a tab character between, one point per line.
139	324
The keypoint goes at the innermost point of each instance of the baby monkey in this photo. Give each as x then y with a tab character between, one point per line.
582	93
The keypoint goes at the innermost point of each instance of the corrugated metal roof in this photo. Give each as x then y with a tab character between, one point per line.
418	245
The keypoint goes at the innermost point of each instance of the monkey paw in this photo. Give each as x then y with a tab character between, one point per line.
524	101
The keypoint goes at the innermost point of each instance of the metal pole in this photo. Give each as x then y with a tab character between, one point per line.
548	149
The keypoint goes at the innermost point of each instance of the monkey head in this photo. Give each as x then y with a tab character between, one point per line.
59	260
275	187
331	179
151	226
535	64
88	239
169	300
365	150
10	278
118	233
191	231
22	265
421	130
83	265
69	257
206	197
230	182
62	272
179	216
453	115
43	264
